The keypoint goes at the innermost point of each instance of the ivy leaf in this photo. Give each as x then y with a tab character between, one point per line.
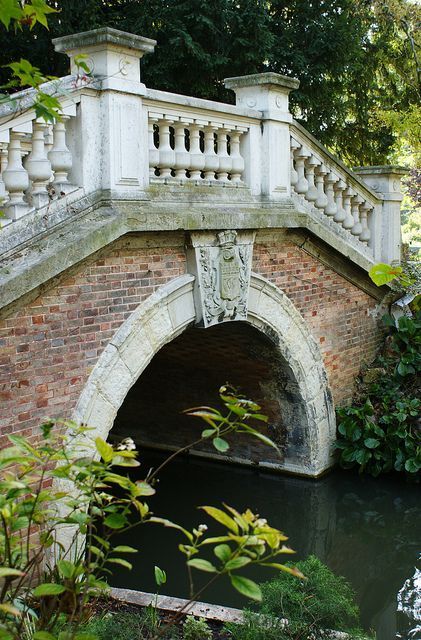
247	587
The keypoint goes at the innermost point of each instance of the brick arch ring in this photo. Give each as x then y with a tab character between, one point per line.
166	314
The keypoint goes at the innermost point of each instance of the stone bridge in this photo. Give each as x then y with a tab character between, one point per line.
156	246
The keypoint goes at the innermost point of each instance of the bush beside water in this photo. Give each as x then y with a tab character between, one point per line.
381	430
312	607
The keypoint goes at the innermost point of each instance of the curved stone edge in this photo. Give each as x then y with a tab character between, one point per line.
156	321
269	307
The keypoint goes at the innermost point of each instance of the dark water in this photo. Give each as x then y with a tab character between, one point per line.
368	530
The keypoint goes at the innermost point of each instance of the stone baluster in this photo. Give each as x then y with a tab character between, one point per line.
153	150
38	166
236	158
48	138
225	163
348	221
197	158
340	214
182	156
301	156
166	153
15	178
3	164
294	175
365	234
211	158
356	201
331	179
321	200
310	165
60	158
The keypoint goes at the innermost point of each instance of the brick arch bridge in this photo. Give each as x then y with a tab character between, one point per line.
142	215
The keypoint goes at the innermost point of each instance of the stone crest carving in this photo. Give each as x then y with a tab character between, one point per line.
222	265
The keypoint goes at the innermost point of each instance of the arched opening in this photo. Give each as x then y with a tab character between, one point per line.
188	372
275	341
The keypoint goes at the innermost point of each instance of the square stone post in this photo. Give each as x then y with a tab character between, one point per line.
386	182
267	156
110	138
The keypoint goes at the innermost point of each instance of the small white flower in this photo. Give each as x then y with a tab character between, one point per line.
261	522
202	528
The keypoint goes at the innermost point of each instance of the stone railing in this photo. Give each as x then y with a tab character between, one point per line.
117	137
35	160
328	186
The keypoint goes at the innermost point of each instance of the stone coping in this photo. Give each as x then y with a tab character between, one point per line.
215	612
261	79
103	36
169	603
386	169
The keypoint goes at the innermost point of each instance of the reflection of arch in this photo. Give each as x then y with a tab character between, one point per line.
170	310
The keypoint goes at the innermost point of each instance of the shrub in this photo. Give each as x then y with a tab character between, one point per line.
311	607
196	629
381	432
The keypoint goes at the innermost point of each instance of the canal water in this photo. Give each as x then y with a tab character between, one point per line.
366	529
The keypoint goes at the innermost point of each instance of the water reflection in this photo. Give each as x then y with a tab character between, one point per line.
364	529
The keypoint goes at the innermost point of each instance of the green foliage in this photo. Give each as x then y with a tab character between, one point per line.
381	431
356	60
196	629
119	626
68	484
311	606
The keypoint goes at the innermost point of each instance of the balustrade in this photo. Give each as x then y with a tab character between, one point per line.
326	186
34	167
199	151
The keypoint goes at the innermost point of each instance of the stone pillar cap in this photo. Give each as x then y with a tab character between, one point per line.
382	170
138	45
262	79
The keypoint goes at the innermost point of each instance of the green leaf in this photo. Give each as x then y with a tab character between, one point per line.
104	449
115	521
66	568
282	567
122	562
10	10
5	572
121	548
247	587
207	433
160	576
223	552
412	466
222	517
384	273
220	444
145	489
202	565
49	589
237	563
43	635
371	443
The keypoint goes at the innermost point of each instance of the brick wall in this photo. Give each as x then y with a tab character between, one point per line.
341	316
50	345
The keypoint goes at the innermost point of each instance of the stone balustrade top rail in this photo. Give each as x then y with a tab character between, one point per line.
116	136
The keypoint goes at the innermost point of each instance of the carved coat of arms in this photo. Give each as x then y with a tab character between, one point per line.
223	266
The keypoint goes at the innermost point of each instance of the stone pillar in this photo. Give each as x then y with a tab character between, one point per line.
113	156
268	93
386	223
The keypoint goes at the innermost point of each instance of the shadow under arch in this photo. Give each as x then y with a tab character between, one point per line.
166	314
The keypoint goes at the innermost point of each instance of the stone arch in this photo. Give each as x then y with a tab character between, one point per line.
166	314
